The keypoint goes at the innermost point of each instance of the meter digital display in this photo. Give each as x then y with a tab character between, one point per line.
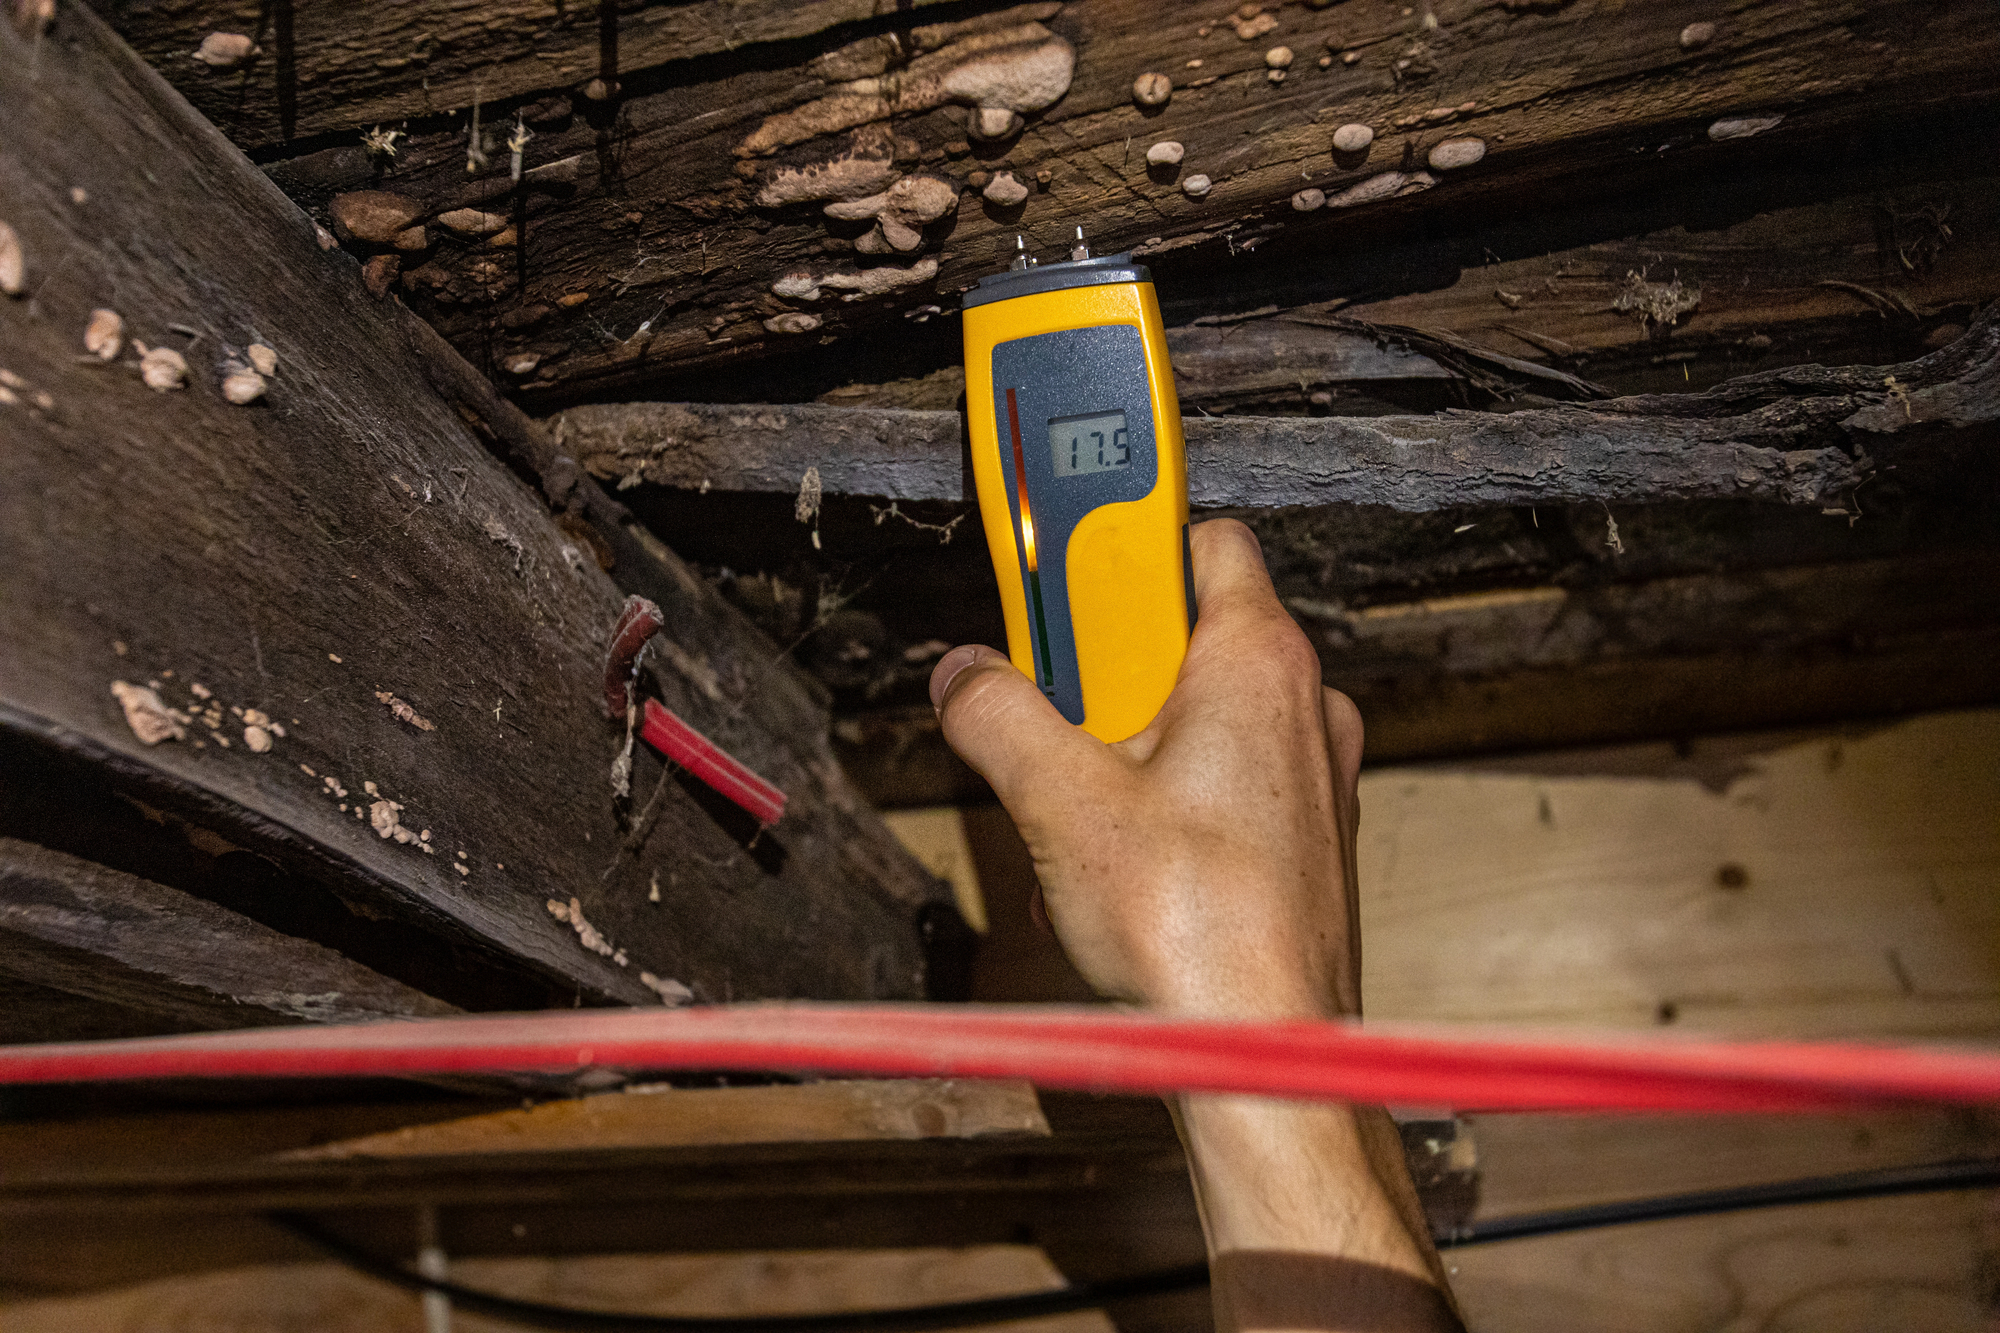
1090	544
1094	442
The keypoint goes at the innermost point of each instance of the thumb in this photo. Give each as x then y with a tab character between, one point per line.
999	722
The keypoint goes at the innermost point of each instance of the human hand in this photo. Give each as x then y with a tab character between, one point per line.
1206	865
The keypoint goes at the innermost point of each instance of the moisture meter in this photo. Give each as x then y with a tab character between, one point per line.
1082	482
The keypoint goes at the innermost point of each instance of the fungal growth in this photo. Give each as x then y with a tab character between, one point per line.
148	716
1742	127
225	50
105	335
1656	304
1196	186
1388	185
1352	138
13	264
1152	89
375	216
1455	153
900	213
1014	70
1305	201
1004	190
162	368
1166	153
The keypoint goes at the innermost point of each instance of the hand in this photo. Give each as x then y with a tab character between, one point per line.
1206	865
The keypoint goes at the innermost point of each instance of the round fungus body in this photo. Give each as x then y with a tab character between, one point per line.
225	50
1305	201
1279	57
792	321
242	386
105	335
1697	35
1352	138
1152	89
1455	153
1196	186
1005	190
1166	153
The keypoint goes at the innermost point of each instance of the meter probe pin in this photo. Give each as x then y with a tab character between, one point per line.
1021	259
1079	251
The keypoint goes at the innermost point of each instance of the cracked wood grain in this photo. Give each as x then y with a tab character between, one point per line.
349	535
1803	436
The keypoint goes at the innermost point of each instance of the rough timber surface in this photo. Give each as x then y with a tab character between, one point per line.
164	960
1803	436
642	249
346	557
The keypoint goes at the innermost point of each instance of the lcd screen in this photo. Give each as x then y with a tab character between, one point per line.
1093	442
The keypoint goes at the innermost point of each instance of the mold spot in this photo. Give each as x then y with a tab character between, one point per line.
792	321
1742	127
225	50
1388	185
1455	153
1004	191
104	335
1155	89
150	719
162	368
375	216
13	264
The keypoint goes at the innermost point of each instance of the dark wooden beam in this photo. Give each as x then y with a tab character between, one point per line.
346	640
1804	436
652	229
1545	668
170	961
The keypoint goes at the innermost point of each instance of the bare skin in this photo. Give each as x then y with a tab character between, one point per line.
1206	867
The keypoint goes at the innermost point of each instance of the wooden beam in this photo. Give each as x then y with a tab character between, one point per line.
1531	668
172	961
1805	436
669	209
347	640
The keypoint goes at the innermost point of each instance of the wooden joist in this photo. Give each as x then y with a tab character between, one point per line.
655	230
165	961
330	629
1804	436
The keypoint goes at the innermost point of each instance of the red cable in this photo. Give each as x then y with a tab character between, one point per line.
666	732
1094	1049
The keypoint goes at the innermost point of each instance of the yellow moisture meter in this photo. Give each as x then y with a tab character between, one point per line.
1082	480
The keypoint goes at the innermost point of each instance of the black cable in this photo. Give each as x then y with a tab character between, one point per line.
957	1314
1089	1295
1814	1189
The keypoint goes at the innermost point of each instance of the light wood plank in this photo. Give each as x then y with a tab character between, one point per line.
1841	886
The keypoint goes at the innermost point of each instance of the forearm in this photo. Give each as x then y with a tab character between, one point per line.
1311	1218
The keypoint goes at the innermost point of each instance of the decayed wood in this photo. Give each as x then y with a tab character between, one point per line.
642	246
1804	437
1532	668
1894	267
178	964
321	71
380	654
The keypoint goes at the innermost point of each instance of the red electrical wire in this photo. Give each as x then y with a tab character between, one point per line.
666	732
1093	1049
